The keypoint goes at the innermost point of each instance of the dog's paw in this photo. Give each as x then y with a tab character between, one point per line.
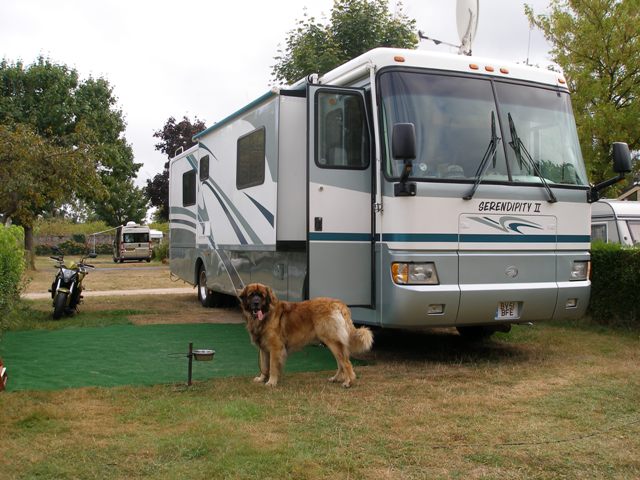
271	383
260	379
347	384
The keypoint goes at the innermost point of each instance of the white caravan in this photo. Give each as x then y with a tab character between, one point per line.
423	189
132	243
616	221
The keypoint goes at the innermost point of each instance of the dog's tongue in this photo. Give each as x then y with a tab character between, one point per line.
259	315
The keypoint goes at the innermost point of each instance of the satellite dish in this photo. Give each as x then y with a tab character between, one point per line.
467	20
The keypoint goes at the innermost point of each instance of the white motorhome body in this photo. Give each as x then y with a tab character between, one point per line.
616	221
304	190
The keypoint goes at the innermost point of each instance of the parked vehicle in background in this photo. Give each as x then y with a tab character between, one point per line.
132	243
66	289
616	221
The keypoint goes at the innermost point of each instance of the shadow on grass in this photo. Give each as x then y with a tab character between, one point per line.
25	317
443	346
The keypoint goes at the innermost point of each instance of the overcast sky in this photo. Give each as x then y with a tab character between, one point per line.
207	59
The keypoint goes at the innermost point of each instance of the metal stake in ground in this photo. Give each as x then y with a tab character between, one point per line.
190	355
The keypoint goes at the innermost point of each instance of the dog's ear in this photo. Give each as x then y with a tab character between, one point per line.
271	297
241	293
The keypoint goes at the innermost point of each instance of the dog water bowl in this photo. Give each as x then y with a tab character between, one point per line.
203	354
200	355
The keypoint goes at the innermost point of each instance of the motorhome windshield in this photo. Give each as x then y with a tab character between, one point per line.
453	114
135	237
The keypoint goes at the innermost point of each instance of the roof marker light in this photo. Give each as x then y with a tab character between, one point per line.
504	70
489	68
561	80
473	66
399	58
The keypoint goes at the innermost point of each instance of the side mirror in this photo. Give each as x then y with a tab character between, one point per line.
403	141
403	147
621	165
621	158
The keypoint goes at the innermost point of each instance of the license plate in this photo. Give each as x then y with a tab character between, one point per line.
507	311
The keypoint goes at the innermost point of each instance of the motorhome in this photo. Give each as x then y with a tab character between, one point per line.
422	188
131	243
616	221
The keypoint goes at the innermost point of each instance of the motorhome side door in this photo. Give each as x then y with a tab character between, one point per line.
339	185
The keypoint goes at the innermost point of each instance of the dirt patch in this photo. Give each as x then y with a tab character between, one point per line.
202	315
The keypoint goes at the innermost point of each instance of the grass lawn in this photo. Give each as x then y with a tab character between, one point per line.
549	401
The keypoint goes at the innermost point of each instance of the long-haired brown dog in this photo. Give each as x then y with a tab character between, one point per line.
278	327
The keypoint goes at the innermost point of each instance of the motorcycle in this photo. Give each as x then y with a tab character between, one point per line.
66	289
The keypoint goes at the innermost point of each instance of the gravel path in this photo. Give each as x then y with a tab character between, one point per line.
103	293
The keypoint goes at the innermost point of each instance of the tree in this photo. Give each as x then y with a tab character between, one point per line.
157	191
173	136
36	175
125	202
71	133
355	26
96	105
597	45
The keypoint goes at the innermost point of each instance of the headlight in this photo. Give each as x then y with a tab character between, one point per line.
580	270
67	274
414	273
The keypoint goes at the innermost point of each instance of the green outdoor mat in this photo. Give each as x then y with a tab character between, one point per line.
136	355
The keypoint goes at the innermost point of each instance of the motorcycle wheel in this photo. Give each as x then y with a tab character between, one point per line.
74	300
59	305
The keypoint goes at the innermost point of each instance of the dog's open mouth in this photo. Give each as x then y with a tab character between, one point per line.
257	314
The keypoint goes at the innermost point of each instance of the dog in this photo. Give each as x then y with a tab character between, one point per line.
277	327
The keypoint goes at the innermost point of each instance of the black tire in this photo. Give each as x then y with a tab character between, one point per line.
208	298
59	305
74	301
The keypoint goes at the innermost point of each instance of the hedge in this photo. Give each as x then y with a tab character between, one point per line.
615	285
71	247
12	265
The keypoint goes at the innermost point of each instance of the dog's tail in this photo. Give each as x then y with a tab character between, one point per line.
360	340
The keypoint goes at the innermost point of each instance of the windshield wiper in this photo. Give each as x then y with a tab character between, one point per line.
524	157
489	154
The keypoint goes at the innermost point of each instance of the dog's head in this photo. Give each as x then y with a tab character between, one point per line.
256	299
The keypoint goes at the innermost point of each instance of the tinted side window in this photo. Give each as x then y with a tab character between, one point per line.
189	188
634	229
599	232
342	135
251	160
204	168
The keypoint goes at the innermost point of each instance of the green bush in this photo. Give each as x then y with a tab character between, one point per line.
614	285
79	237
161	251
12	265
